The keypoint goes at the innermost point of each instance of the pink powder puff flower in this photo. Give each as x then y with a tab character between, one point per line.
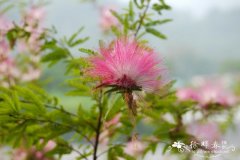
205	132
107	20
214	94
128	66
207	93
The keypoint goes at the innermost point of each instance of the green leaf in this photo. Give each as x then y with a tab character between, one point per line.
5	9
131	11
8	101
79	41
88	51
71	39
126	25
115	14
56	55
31	98
157	22
116	31
155	33
139	6
80	89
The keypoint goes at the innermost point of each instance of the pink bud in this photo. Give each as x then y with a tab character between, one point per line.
49	146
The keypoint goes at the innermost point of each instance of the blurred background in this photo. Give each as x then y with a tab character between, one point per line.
203	38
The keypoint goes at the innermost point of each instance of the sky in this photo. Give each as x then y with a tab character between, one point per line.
201	8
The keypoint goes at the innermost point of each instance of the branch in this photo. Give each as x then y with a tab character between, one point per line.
142	18
63	111
98	130
56	123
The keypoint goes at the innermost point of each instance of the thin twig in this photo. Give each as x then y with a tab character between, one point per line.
102	153
62	110
56	123
77	151
142	16
99	125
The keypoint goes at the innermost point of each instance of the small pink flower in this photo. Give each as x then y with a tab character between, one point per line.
205	132
128	66
107	20
49	146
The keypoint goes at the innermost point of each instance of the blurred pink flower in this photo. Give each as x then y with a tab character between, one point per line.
49	146
107	20
109	129
8	68
134	148
32	153
128	66
31	74
35	15
4	49
207	93
214	94
19	154
5	25
114	121
186	94
34	19
205	132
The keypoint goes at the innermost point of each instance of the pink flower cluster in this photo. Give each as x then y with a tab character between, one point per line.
33	153
129	66
12	68
207	93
